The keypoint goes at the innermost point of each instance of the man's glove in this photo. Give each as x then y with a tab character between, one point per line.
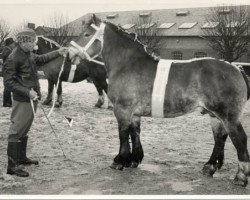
33	95
63	51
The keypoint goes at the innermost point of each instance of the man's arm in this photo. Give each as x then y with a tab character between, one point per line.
9	75
43	59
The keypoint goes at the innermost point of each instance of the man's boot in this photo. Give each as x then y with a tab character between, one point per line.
24	160
13	152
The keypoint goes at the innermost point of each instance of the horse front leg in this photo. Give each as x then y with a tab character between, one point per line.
48	99
123	159
137	150
216	160
59	100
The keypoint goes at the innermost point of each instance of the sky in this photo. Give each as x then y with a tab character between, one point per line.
15	12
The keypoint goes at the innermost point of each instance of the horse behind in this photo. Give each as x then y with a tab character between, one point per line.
137	88
70	73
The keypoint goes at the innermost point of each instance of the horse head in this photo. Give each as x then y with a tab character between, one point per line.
89	44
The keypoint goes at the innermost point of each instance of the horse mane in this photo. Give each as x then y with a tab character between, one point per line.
51	42
133	37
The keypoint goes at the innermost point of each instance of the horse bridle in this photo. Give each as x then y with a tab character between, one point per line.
83	50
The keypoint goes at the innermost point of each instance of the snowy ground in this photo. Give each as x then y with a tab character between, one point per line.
175	151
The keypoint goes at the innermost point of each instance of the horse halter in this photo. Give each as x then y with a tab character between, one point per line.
76	49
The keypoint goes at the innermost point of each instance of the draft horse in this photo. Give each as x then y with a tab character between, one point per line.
71	73
217	87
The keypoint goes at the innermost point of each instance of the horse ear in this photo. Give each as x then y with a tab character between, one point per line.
94	18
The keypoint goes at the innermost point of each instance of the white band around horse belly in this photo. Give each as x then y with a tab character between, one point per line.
72	73
159	88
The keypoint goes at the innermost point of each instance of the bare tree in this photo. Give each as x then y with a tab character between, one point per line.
227	31
147	32
19	27
5	31
60	31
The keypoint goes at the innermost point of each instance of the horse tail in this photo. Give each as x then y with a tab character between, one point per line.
246	80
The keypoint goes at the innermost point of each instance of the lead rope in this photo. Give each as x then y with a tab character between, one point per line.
55	88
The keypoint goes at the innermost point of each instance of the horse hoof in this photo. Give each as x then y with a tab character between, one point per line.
116	166
127	165
240	180
97	105
134	164
46	102
110	107
208	170
58	104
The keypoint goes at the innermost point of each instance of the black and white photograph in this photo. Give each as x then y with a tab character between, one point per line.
135	99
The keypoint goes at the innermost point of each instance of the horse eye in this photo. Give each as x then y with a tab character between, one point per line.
86	35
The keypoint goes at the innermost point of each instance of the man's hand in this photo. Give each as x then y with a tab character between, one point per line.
63	51
33	95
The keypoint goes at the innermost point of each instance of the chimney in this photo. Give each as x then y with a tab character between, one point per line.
31	26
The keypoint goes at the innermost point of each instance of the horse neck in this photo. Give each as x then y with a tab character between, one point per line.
46	47
54	66
118	51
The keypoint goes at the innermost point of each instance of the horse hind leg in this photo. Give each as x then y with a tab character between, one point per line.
216	160
105	88
239	138
99	89
48	99
137	150
59	100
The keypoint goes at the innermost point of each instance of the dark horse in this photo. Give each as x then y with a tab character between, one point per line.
216	87
70	73
247	71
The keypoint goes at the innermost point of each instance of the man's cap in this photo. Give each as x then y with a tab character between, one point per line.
25	35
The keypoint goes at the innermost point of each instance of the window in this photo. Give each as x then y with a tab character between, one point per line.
128	26
248	57
187	25
177	55
145	26
224	11
145	14
221	56
182	13
200	54
234	24
112	16
210	25
166	25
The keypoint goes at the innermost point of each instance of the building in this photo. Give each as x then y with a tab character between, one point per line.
180	30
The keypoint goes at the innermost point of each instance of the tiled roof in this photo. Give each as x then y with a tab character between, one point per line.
176	16
43	30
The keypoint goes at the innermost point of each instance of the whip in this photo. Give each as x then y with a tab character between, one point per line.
53	130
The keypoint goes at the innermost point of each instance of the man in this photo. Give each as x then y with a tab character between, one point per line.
9	45
20	75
